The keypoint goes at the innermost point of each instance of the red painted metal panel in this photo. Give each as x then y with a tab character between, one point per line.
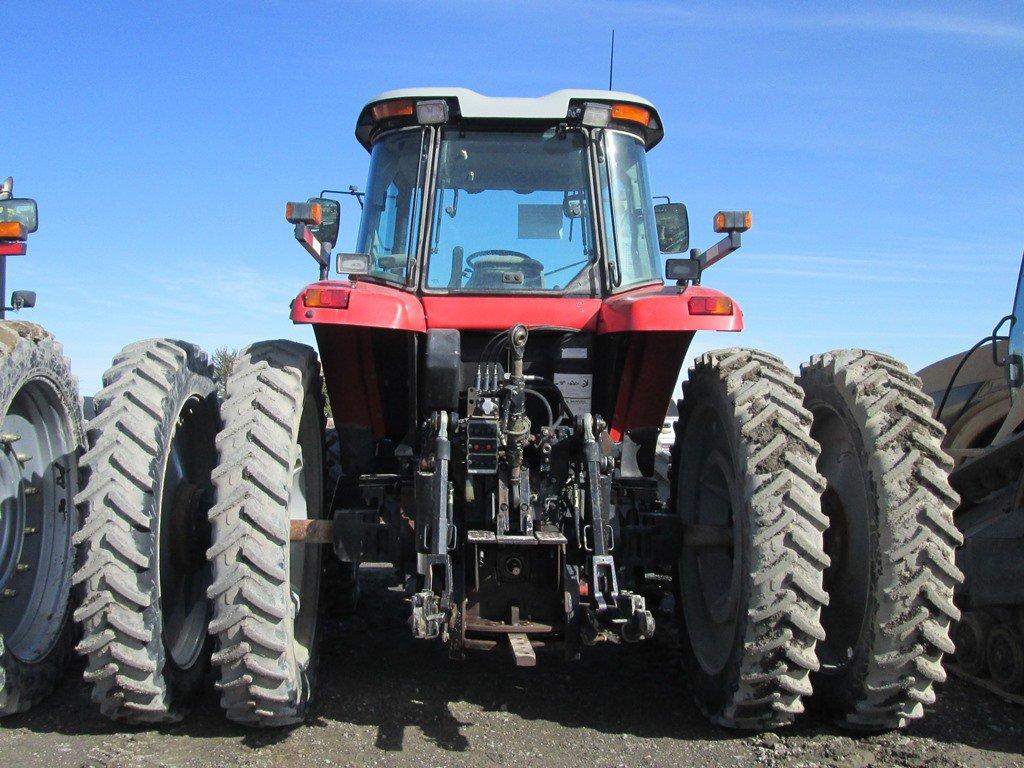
347	356
495	313
663	308
647	381
370	306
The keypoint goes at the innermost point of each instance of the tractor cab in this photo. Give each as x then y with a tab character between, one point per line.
474	195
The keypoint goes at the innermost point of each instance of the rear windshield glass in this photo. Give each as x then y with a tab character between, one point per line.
512	213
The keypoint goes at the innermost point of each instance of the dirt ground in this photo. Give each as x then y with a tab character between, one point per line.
387	700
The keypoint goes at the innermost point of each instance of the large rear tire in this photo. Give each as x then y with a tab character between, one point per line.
40	441
891	539
750	575
144	503
266	592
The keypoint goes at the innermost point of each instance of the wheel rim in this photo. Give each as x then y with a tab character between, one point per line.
710	574
970	641
1006	658
304	560
185	535
846	504
36	521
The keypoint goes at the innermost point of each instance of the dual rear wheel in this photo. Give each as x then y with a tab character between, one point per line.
40	440
185	543
818	539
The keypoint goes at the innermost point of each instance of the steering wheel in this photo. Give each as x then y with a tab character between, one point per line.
499	257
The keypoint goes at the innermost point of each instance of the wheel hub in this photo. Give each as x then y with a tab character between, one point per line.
709	570
184	533
35	522
184	520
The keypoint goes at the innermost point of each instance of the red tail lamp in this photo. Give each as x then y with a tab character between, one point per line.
710	305
327	298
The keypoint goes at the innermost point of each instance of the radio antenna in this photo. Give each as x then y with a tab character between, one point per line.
611	62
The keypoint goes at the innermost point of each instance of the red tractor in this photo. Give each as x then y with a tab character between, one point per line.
499	360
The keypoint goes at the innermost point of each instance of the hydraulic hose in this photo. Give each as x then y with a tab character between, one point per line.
545	403
956	372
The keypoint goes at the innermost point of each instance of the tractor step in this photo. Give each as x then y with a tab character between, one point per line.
522	650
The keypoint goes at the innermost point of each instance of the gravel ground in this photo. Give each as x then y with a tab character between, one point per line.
386	700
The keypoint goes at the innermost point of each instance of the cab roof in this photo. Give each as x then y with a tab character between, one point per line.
473	106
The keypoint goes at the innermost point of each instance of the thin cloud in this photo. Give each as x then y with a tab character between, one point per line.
923	22
932	23
864	277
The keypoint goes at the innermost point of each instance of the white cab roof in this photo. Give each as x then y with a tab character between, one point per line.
475	106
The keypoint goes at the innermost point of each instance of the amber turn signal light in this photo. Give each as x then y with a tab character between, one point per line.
304	213
12	230
631	113
732	221
388	109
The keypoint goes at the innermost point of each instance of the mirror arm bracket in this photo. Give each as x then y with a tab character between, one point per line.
728	244
321	252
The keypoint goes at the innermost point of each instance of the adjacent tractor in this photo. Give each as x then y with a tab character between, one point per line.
499	360
40	440
979	395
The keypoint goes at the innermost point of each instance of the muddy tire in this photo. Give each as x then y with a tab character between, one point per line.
749	579
891	539
143	505
39	476
266	591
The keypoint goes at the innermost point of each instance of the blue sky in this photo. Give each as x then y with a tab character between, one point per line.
879	147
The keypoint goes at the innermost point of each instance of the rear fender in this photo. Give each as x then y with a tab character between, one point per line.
664	308
367	349
657	326
369	306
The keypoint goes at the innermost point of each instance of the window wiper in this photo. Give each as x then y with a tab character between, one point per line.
567	266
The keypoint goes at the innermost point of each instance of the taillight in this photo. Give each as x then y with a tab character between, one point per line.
327	298
710	305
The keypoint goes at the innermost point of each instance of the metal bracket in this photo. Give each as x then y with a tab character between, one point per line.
731	242
430	607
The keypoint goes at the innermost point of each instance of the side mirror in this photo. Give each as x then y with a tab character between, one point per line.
327	230
673	227
996	337
22	210
23	300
